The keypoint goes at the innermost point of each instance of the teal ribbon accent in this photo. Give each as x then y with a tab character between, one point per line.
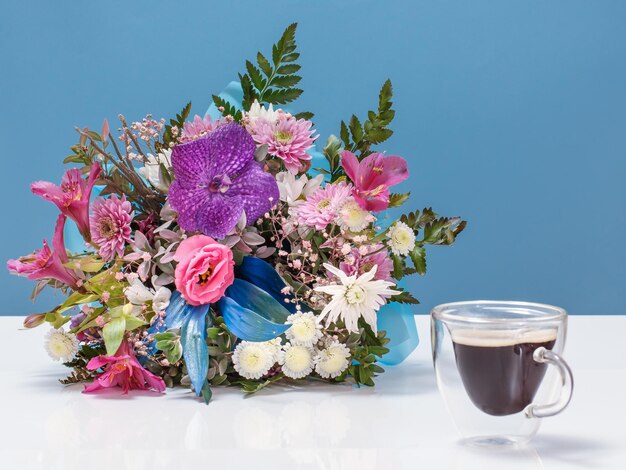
399	323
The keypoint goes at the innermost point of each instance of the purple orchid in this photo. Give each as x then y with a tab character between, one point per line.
217	179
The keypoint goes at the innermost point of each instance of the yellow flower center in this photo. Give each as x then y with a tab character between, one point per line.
323	204
283	137
204	278
355	294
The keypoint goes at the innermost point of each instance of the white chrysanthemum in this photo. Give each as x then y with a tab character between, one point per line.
258	112
305	329
331	361
253	360
352	217
401	239
275	347
355	297
297	361
61	345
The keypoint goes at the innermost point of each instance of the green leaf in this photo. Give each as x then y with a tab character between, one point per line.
356	129
344	134
288	69
113	334
398	266
229	109
207	393
285	45
405	297
178	122
282	96
174	353
397	199
133	322
56	319
265	65
76	298
304	115
249	93
418	256
285	81
88	264
374	130
376	136
256	76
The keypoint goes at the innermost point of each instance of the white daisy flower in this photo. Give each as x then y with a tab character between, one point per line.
275	347
353	218
305	329
355	297
331	361
61	345
401	239
253	360
297	361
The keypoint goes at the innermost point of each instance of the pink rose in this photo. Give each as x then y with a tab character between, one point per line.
204	271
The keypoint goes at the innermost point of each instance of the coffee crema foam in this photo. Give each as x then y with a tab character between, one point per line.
502	338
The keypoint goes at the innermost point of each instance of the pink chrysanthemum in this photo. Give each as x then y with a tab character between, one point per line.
110	225
321	207
197	128
360	263
287	138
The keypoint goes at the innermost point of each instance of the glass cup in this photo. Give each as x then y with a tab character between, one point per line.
491	360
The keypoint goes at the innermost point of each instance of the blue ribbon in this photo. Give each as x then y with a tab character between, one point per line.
398	321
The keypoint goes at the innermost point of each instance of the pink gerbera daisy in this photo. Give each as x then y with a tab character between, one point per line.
197	128
110	225
287	138
321	207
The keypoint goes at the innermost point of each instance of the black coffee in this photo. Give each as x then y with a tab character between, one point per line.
497	367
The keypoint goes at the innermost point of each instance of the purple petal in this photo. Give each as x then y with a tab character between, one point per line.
192	162
231	149
203	211
255	187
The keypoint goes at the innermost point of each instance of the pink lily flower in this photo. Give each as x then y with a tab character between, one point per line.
122	370
46	263
372	178
72	196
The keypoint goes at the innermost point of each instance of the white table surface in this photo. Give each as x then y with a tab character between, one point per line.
400	424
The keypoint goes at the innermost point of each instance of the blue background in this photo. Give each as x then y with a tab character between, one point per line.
511	114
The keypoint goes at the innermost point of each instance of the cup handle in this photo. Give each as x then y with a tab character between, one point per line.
567	383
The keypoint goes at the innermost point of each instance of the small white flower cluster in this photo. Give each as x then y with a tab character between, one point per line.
298	358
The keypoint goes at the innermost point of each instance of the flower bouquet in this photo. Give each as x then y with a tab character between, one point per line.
224	250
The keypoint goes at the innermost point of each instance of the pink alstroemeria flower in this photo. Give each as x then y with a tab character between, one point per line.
122	370
72	196
46	263
372	178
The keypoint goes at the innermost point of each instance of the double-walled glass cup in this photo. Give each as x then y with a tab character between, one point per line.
492	361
